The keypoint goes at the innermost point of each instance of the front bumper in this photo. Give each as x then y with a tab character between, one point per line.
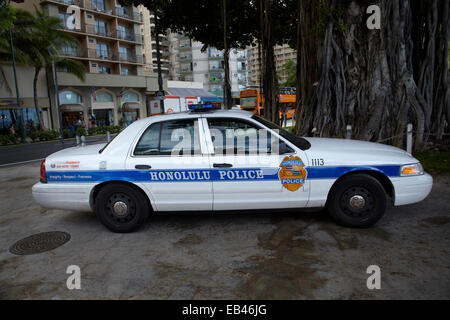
63	196
410	190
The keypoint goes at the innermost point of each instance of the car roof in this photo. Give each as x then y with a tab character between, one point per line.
191	114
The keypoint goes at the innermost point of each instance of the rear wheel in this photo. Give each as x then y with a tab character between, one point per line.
121	208
357	201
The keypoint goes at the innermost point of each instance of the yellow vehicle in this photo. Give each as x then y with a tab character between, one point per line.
253	100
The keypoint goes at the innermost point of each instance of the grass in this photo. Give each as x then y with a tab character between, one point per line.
434	162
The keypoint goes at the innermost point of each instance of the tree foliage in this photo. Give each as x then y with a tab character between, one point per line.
289	69
37	40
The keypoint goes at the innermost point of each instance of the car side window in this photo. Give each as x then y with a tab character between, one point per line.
149	142
180	137
177	137
238	137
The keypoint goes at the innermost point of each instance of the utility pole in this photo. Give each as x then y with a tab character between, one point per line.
158	61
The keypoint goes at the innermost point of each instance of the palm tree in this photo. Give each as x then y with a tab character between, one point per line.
43	50
19	20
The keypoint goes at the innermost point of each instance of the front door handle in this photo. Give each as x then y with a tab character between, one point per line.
143	167
222	165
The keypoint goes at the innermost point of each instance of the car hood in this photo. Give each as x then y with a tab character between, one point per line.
345	151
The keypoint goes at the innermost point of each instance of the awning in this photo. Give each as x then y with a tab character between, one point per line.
131	105
71	108
211	99
185	92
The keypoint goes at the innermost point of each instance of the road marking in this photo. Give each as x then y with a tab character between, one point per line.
19	163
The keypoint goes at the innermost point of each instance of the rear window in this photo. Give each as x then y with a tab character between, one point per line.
177	137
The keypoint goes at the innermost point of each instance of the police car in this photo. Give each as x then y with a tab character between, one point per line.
217	160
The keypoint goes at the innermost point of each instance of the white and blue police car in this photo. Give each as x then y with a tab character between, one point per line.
217	160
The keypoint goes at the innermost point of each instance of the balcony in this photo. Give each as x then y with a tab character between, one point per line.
215	54
101	55
184	45
185	70
128	36
72	52
131	58
184	58
126	14
215	68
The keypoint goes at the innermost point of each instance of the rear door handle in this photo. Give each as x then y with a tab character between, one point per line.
222	165
143	167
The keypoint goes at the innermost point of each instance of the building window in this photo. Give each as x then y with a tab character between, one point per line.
216	65
102	50
124	53
99	5
130	97
100	27
104	97
125	71
104	69
69	50
69	97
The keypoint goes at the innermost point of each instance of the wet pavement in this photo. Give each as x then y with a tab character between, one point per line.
275	255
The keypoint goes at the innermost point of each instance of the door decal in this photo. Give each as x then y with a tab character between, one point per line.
292	173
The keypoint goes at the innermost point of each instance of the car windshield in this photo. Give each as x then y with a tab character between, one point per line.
300	142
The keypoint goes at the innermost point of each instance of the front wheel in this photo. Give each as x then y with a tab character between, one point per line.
357	201
121	208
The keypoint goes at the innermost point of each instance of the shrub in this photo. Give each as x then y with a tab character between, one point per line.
48	135
66	133
12	138
34	135
80	132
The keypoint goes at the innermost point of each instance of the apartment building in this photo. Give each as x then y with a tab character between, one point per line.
149	44
282	54
110	45
189	63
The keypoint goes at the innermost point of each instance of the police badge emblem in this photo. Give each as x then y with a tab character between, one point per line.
292	173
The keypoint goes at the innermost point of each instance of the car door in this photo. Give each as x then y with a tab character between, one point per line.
174	160
247	169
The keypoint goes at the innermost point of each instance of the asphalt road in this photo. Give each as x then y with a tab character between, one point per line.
35	151
262	255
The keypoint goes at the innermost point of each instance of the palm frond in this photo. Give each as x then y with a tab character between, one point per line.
73	67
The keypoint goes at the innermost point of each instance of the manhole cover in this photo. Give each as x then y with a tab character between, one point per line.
39	243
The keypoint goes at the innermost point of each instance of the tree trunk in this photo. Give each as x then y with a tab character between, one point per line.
375	80
270	80
35	95
226	57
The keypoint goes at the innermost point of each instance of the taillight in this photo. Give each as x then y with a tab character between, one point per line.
43	172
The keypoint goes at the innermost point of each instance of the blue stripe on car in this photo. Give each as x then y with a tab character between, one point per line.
201	175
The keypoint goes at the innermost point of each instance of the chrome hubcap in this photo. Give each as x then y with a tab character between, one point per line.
120	208
357	202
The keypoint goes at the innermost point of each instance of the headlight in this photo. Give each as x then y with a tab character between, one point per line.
411	170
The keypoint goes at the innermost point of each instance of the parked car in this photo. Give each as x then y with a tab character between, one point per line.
216	160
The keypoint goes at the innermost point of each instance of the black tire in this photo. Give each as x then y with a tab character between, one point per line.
121	208
357	201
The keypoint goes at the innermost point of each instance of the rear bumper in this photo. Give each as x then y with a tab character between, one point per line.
63	196
410	190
